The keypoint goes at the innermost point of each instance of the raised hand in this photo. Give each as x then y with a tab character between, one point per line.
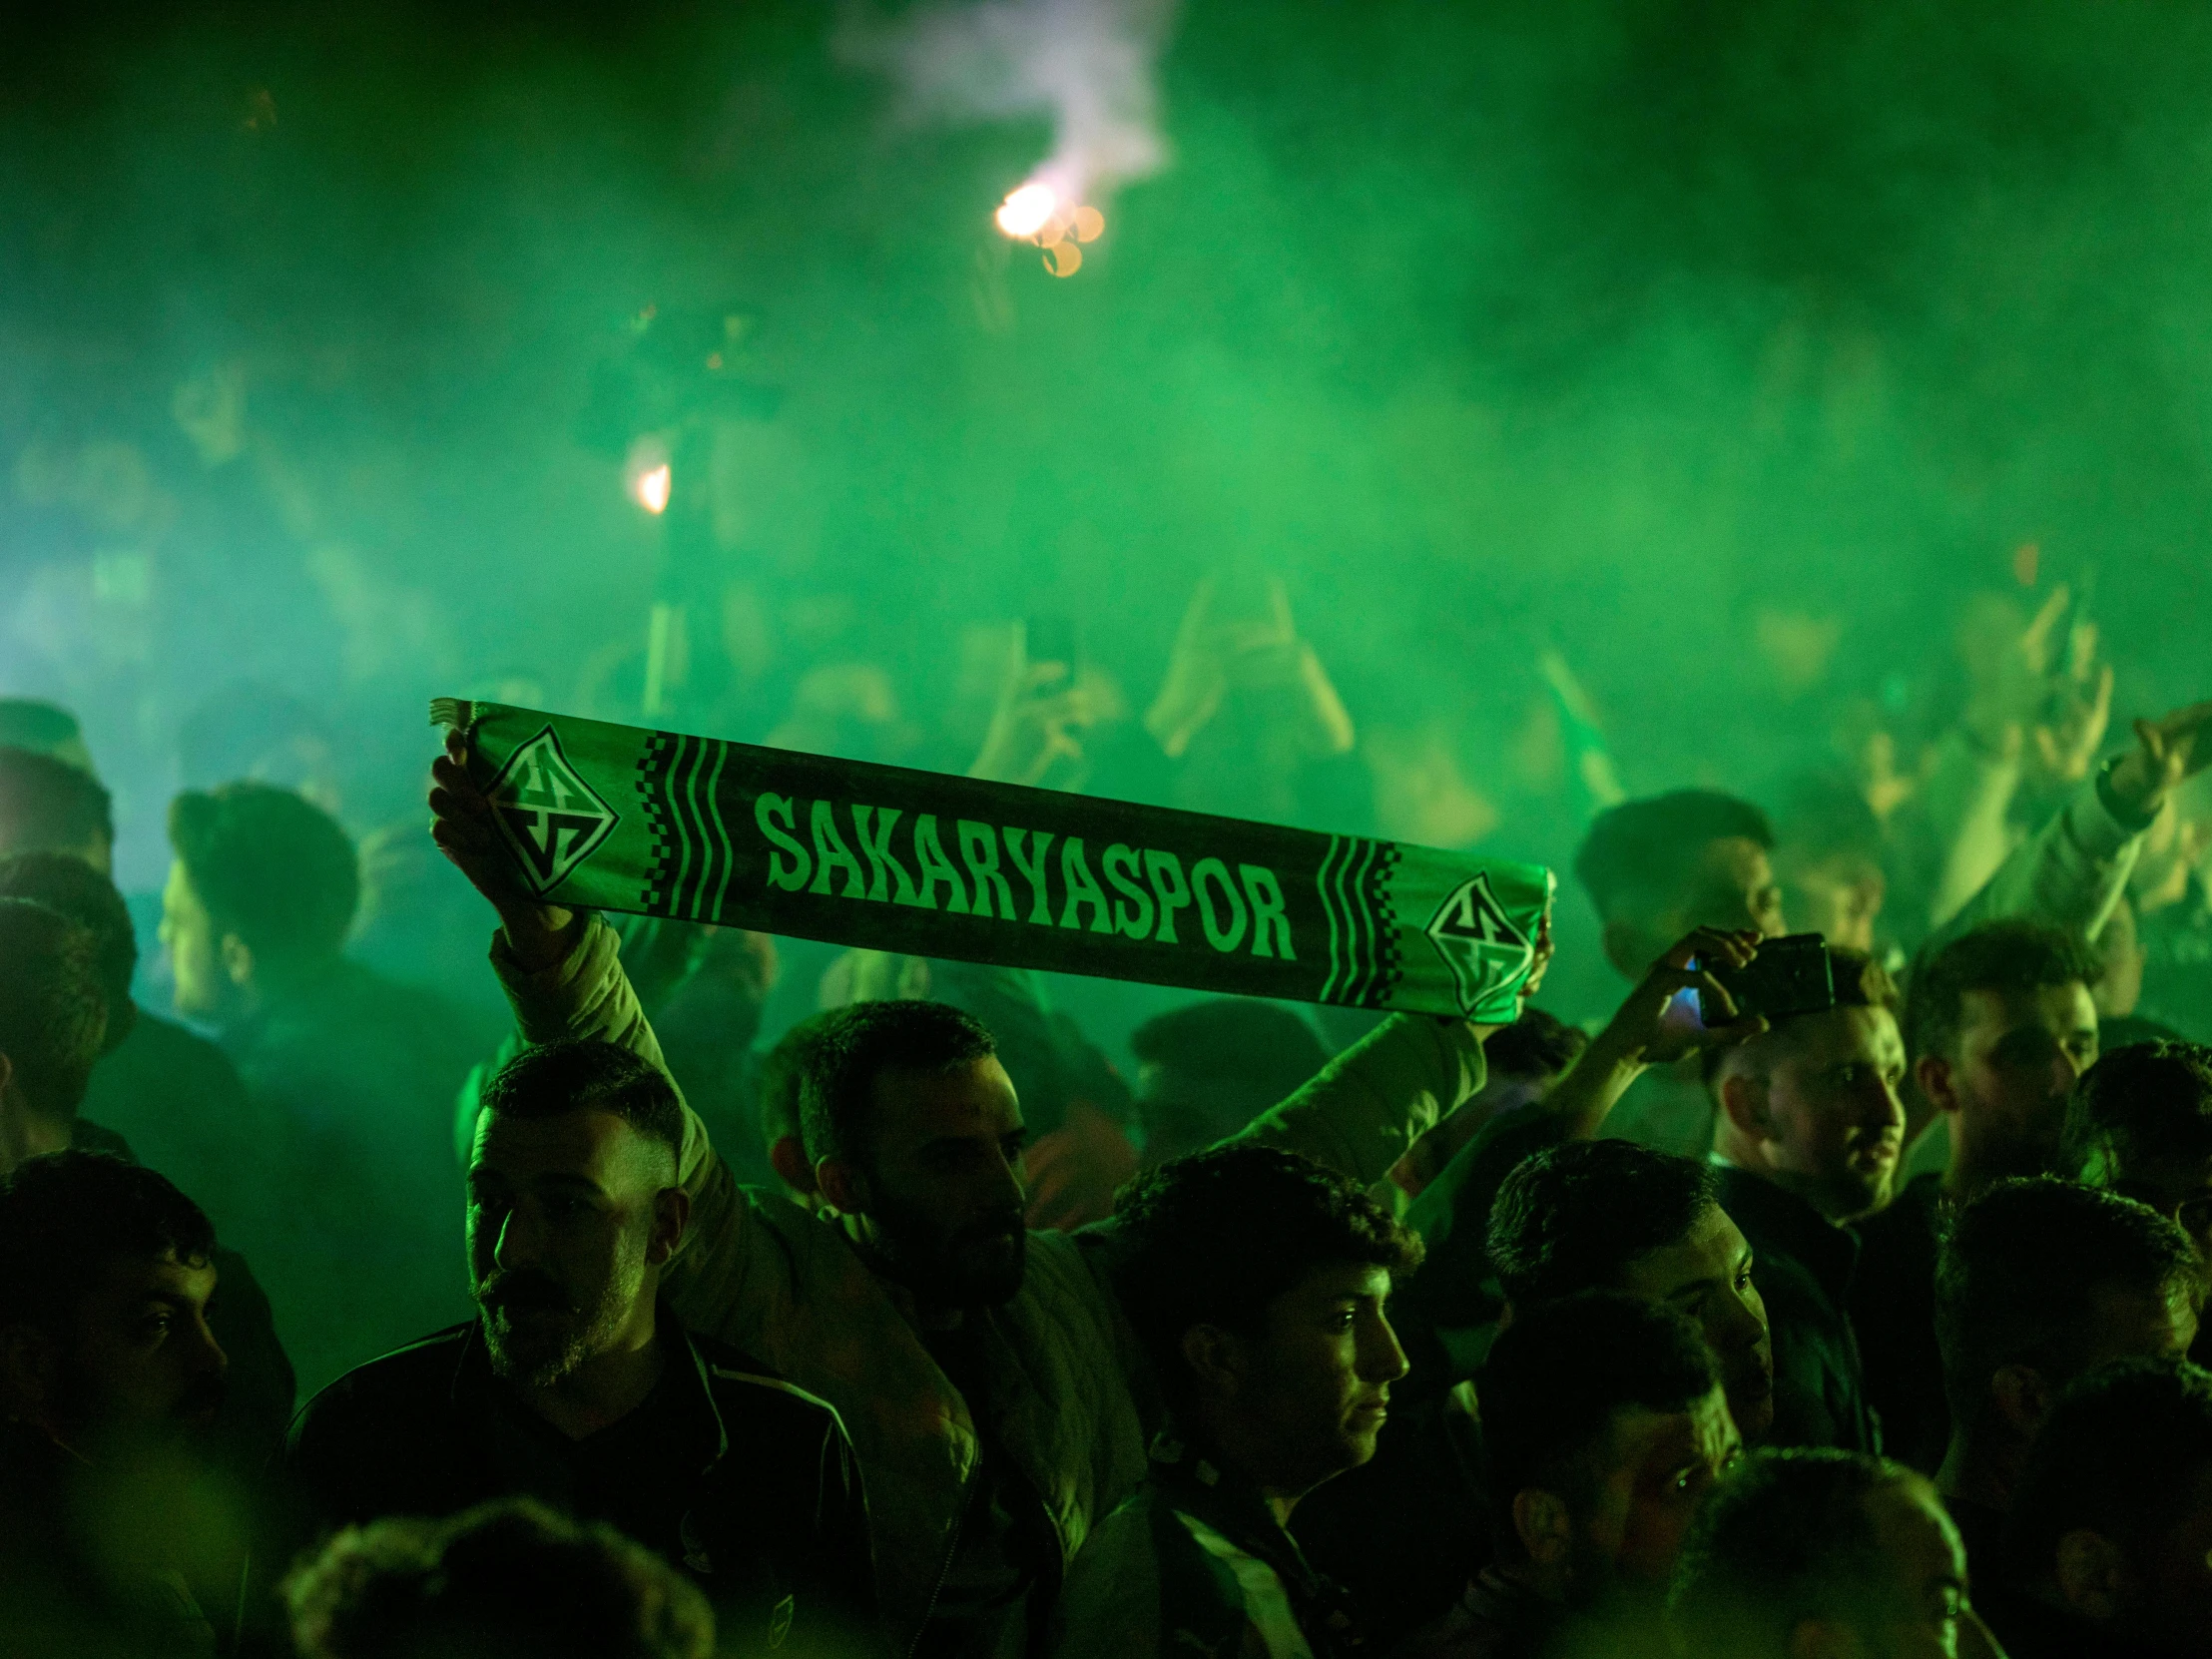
2168	753
1040	716
461	823
1650	1028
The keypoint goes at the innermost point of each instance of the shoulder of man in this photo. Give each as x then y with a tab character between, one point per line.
1111	1604
389	1394
770	1403
186	1061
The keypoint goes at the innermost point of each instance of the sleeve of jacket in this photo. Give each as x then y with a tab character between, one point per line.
1109	1608
586	996
1364	1108
2069	875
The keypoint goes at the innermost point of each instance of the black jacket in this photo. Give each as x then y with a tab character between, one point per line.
745	1482
1803	1273
1893	1310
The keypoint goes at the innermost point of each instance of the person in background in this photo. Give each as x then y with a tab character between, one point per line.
1258	1282
1656	869
1828	858
1809	1136
49	805
354	1073
2108	1550
169	1092
1604	1427
117	1535
2039	1281
506	1580
709	986
575	1384
1999	1024
1207	1069
2139	1123
1823	1554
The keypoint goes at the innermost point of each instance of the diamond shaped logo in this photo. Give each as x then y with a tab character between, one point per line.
552	818
1478	941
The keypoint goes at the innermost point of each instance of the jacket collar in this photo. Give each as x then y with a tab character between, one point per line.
1780	1222
476	1392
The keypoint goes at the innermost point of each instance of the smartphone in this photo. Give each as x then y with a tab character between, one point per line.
1789	975
1051	639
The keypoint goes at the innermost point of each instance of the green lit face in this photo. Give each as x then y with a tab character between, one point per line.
204	988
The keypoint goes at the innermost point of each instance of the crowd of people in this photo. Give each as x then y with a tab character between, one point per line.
334	1324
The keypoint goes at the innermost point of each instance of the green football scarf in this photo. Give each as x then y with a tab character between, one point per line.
614	818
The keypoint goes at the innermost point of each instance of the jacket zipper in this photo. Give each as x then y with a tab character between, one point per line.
944	1570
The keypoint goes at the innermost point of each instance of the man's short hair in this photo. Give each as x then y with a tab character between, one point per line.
2119	1455
860	1042
1254	1053
1652	847
53	1010
1997	957
781	1078
1574	1216
1214	1237
49	805
269	865
67	884
64	1216
1556	1376
2017	1270
2147	1100
504	1580
547	1080
1861	981
1785	1539
1536	1045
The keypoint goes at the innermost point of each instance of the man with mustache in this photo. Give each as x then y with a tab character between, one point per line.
1809	1135
577	1386
1256	1281
994	1394
110	1380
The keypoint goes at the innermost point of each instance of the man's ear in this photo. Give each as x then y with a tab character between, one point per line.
30	1371
2022	1399
1932	1073
236	958
2092	1575
1216	1356
671	1214
1743	1099
1825	1639
844	1186
787	1155
1543	1525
